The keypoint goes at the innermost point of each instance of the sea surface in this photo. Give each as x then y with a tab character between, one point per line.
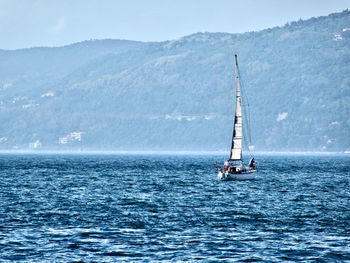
162	208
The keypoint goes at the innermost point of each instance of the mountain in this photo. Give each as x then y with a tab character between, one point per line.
179	95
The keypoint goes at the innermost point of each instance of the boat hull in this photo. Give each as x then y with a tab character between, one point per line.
247	175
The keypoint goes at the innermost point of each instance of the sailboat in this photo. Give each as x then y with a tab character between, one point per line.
233	168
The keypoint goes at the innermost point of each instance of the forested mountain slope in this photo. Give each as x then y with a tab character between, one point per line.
179	95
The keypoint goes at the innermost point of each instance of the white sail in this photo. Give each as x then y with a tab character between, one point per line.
236	148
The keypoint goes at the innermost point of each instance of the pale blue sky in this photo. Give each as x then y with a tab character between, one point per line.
28	23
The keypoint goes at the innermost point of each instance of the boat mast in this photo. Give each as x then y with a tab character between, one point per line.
236	147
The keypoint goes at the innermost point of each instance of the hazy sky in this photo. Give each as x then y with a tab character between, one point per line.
28	23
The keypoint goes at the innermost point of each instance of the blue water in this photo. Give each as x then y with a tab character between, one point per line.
108	208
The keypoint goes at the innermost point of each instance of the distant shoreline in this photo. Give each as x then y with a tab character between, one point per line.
164	152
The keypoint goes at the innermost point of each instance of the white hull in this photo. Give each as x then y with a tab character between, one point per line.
226	176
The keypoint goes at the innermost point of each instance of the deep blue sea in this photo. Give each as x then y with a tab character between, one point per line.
141	208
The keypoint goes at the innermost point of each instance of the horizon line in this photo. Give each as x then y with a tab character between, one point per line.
166	152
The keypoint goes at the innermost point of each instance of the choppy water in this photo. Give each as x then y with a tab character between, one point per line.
107	208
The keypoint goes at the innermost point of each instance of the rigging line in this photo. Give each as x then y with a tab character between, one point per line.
246	105
247	111
250	128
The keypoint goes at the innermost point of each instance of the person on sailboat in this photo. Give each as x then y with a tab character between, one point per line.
226	165
252	163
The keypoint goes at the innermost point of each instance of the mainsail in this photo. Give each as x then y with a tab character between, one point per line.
236	148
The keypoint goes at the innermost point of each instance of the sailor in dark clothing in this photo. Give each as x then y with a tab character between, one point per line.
252	163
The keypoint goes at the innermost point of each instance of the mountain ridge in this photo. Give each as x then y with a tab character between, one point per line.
178	94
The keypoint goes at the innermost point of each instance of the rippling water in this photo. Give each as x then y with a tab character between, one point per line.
107	208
